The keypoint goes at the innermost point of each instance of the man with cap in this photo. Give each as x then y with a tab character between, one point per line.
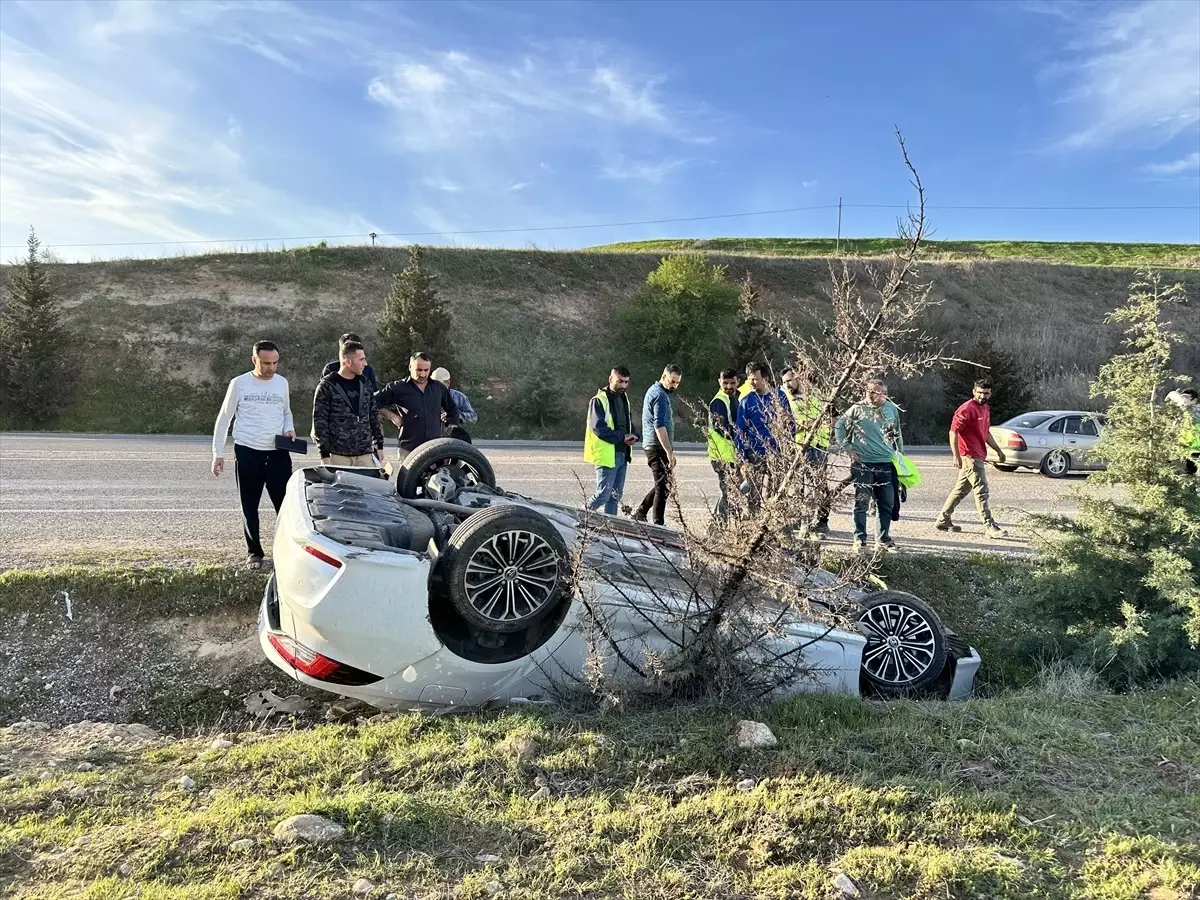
466	412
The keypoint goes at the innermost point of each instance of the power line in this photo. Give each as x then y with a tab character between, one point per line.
764	212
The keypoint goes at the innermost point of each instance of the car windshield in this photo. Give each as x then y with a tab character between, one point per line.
1032	420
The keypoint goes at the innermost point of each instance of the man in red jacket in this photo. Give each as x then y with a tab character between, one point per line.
970	436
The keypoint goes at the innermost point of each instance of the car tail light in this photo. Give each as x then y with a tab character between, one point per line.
322	556
307	661
1014	441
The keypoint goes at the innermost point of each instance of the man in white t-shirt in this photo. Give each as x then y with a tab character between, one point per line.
260	407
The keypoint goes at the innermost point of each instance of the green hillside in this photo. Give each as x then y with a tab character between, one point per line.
158	339
1077	253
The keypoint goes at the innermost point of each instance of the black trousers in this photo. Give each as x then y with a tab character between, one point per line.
656	499
254	470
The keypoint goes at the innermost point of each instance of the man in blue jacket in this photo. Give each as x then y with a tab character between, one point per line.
764	417
608	438
658	432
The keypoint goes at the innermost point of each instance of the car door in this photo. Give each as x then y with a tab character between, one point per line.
1076	442
1089	433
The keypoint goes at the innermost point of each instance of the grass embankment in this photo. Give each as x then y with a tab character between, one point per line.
1073	253
159	339
1052	790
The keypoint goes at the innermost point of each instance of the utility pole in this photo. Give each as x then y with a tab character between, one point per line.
373	235
838	251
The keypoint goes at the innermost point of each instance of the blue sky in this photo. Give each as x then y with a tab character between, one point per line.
141	121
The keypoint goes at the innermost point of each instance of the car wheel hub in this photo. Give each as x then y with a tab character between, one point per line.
511	576
901	644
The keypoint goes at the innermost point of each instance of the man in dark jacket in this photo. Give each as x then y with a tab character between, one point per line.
333	365
345	414
420	403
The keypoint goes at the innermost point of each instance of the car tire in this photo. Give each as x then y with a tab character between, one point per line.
465	461
506	568
1004	467
1056	464
894	621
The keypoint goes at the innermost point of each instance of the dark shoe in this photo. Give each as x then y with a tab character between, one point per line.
254	562
886	543
860	546
995	531
947	526
819	527
639	516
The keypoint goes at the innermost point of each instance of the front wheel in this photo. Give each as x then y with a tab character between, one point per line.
506	568
906	644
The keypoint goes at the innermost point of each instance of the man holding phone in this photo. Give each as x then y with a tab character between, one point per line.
608	438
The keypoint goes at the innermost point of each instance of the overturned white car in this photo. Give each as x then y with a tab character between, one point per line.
439	589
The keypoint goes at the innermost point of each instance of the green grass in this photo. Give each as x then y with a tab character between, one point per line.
1077	253
1054	792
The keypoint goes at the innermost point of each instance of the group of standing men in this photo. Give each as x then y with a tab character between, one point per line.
348	407
746	423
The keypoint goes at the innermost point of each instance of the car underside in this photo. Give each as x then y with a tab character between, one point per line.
439	589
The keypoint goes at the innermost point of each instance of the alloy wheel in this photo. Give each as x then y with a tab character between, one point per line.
511	576
901	645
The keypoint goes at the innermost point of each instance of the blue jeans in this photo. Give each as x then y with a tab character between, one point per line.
872	481
610	483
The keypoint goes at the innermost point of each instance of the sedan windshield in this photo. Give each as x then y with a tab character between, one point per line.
1031	420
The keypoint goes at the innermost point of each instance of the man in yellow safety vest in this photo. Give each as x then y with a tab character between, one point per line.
1189	437
722	422
808	411
607	439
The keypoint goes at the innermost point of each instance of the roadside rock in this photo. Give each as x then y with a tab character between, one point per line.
220	744
846	887
750	735
308	829
186	783
362	887
242	845
746	784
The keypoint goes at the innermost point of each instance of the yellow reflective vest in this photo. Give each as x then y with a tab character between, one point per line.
807	410
720	447
595	451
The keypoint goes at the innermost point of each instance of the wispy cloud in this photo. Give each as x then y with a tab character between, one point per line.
441	184
1133	73
652	172
1182	166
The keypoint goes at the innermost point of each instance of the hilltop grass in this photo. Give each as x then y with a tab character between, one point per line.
1076	253
1054	792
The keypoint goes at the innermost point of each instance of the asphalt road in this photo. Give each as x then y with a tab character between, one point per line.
86	497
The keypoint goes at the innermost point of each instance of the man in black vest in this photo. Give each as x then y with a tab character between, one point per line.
420	402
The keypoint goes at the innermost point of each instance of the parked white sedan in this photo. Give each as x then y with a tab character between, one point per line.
440	590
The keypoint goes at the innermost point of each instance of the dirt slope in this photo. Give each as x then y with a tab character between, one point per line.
161	337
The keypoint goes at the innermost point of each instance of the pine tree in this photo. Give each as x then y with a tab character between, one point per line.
413	320
1124	575
1011	392
753	340
35	376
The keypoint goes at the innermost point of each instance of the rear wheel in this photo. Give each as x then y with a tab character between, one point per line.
1055	464
906	644
443	458
506	568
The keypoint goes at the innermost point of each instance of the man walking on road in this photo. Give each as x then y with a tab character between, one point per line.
345	414
869	432
260	407
424	406
658	430
970	436
722	429
608	439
